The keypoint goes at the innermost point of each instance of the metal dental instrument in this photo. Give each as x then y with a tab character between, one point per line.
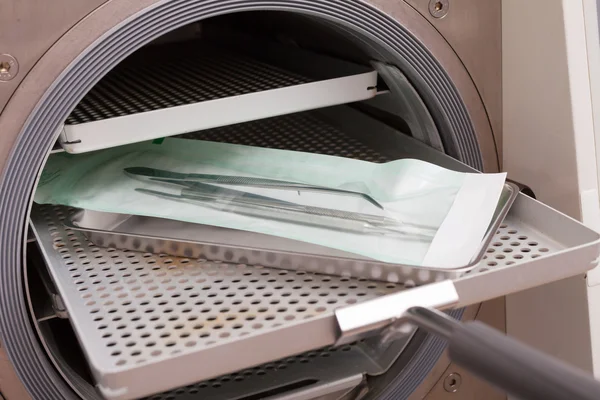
266	207
153	174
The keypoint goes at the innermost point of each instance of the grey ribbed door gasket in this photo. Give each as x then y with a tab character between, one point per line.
39	134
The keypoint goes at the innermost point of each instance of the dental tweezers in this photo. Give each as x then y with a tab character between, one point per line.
153	174
254	205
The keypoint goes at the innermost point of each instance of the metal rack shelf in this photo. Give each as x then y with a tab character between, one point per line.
193	86
323	371
140	315
136	314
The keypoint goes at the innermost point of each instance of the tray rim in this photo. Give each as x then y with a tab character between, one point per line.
578	252
511	188
350	82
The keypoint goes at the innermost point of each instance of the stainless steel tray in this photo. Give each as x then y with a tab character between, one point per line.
149	323
139	315
162	236
151	104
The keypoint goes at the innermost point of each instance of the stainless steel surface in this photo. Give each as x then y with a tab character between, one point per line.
327	391
28	45
471	387
139	313
336	131
46	313
439	8
404	101
299	374
53	21
313	374
30	236
137	101
9	67
156	175
321	140
292	377
491	313
529	239
473	30
452	382
430	320
198	73
504	361
142	297
373	315
259	206
351	394
105	18
183	239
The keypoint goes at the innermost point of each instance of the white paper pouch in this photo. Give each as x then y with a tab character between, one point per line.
407	211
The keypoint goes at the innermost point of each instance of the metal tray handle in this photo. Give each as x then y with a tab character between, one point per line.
506	363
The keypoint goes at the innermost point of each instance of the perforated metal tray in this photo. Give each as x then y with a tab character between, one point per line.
154	235
194	86
150	323
142	315
305	376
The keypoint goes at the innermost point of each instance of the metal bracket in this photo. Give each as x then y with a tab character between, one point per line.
334	390
59	306
63	138
409	105
526	190
370	317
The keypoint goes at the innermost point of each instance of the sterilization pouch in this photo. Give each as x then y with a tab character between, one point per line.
406	211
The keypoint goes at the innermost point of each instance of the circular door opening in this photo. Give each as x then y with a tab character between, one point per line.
308	32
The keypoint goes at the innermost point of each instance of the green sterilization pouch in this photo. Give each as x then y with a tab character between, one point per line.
406	211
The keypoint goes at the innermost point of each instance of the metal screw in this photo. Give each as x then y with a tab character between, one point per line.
452	382
8	67
438	8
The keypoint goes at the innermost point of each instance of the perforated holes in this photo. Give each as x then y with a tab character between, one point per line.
142	300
